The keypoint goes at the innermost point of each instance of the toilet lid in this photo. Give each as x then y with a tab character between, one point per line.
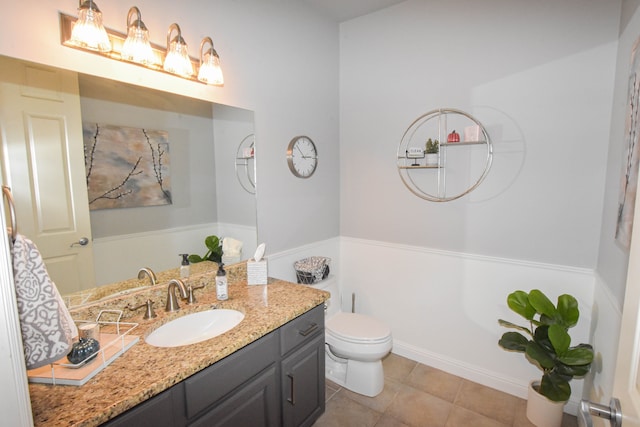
357	327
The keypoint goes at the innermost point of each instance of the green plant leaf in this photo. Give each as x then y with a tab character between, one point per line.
507	324
212	242
559	338
542	304
513	341
540	355
568	310
555	388
541	336
577	356
518	301
195	259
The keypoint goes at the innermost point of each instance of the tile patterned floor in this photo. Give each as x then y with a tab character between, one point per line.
416	395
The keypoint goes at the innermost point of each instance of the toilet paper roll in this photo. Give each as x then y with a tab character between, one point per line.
89	330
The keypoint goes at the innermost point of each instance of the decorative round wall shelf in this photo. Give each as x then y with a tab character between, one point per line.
245	164
463	158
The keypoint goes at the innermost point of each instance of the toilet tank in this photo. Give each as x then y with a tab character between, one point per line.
330	284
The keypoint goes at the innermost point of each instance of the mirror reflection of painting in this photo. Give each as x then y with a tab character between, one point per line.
126	167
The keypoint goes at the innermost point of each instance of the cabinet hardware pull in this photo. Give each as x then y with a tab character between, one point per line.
312	328
292	398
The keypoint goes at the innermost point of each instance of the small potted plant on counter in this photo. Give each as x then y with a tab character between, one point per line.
547	344
214	252
431	149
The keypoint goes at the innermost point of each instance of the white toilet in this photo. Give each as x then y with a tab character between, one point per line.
355	345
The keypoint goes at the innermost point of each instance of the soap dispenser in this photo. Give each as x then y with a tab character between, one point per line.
221	283
184	268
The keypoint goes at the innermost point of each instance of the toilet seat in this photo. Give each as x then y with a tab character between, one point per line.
357	328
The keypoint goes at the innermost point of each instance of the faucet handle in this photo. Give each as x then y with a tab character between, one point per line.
149	313
191	298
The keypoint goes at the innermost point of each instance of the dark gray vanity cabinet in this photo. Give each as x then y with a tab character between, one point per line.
275	381
302	351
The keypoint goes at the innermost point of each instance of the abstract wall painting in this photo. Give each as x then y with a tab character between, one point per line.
629	175
126	167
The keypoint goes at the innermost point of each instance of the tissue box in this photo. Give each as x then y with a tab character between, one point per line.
257	272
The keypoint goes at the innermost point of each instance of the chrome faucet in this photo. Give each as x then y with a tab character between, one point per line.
146	271
172	302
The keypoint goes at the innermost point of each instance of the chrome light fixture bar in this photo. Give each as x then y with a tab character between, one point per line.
117	41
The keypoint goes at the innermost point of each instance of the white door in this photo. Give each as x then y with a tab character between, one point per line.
624	409
626	386
43	163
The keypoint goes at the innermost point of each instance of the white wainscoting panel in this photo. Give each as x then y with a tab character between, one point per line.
120	257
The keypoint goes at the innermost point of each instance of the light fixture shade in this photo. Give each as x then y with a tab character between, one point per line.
210	70
177	60
88	31
136	47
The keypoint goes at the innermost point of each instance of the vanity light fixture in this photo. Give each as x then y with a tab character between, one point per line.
88	31
136	47
210	71
177	60
172	58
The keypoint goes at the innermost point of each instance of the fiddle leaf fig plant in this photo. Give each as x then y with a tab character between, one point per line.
213	254
546	341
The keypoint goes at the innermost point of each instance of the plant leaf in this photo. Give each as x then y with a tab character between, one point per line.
195	259
555	388
542	304
568	310
513	341
577	356
540	355
507	324
212	242
559	338
518	301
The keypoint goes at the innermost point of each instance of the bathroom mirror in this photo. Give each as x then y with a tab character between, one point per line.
205	196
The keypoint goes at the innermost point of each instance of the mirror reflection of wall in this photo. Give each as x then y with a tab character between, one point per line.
205	201
205	198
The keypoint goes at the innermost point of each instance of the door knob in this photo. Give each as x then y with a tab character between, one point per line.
613	413
82	242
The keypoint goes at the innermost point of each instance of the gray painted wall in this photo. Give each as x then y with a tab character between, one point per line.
539	77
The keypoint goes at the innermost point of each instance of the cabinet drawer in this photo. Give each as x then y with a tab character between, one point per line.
215	382
302	329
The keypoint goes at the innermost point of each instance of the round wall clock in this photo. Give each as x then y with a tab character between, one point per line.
302	156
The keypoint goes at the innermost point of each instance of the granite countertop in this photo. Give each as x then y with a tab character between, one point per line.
144	371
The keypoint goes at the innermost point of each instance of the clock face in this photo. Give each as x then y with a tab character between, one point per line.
302	156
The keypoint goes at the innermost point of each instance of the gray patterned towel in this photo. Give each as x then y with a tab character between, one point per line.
47	327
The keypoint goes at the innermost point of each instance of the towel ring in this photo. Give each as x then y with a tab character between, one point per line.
13	230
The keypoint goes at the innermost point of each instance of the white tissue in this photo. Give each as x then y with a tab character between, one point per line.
231	247
259	252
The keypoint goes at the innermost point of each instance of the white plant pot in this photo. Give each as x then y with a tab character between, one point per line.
432	159
541	411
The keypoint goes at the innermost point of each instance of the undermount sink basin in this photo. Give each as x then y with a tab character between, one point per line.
194	328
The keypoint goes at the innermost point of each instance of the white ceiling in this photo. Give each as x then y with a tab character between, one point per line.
343	10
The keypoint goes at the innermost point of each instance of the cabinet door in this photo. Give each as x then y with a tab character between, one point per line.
303	389
253	405
159	411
